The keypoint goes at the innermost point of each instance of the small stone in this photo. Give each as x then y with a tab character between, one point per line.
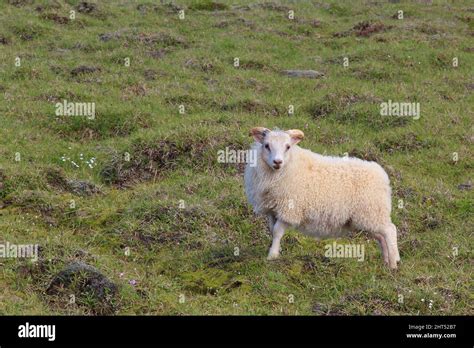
465	186
313	74
82	187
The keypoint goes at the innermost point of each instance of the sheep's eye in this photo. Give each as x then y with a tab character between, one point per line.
267	147
287	147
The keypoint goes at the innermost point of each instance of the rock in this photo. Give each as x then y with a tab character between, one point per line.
82	187
83	69
465	186
312	74
86	7
109	36
83	278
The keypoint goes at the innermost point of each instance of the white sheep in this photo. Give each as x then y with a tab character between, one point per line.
320	196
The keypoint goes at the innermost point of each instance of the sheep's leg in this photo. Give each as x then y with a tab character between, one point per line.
383	246
389	233
397	255
278	232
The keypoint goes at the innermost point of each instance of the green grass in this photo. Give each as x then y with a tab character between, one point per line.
195	245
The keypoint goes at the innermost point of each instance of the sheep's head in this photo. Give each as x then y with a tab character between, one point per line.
276	145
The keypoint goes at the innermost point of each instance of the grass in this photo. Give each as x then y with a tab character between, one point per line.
169	224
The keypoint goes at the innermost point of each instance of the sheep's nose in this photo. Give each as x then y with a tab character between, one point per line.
278	161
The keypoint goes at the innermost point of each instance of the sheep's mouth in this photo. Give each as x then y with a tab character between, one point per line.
276	166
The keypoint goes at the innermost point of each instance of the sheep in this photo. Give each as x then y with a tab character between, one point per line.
318	195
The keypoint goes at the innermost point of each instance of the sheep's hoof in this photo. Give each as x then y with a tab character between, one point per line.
393	267
272	256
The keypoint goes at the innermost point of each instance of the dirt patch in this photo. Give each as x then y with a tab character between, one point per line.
4	40
222	24
150	74
314	263
364	29
158	54
133	91
20	3
367	28
56	178
404	192
431	221
255	65
239	21
56	18
86	7
84	69
162	38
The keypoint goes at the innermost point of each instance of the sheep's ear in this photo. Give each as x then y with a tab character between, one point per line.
296	135
259	133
